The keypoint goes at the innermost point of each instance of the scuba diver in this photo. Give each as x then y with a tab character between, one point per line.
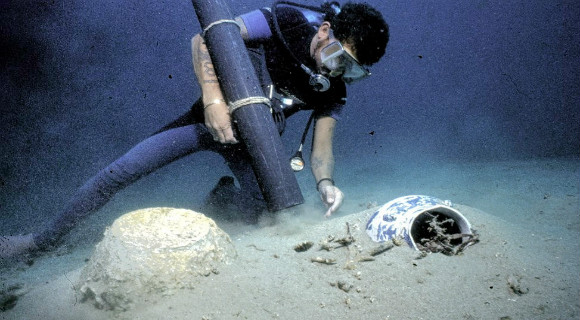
303	55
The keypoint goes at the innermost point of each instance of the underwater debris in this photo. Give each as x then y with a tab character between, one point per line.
331	242
514	282
380	249
326	246
321	260
342	285
303	246
345	241
365	259
398	241
442	241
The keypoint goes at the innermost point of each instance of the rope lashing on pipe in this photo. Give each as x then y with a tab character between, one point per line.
247	101
215	23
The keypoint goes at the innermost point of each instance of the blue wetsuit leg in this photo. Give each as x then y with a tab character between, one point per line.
149	155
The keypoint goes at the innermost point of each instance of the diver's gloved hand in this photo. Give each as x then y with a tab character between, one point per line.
219	122
332	198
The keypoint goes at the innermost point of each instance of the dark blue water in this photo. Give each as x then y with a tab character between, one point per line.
83	81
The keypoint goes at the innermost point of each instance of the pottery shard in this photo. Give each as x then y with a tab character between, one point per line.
153	251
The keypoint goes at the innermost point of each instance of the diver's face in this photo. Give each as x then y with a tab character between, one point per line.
336	59
323	38
322	43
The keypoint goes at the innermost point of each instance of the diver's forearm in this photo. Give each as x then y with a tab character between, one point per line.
322	166
322	158
205	72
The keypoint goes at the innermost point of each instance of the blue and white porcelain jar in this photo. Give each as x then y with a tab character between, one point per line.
408	218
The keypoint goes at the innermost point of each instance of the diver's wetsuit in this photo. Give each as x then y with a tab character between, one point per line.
188	134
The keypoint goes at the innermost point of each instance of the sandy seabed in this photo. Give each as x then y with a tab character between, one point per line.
526	265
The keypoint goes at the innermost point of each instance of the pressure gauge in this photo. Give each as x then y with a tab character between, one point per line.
297	163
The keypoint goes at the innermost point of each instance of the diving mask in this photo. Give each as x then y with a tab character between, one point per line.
336	59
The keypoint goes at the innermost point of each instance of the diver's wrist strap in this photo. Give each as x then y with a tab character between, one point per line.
215	101
323	179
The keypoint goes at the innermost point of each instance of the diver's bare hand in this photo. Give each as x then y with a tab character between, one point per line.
219	123
332	198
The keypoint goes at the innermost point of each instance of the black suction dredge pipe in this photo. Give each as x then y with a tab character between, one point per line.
254	121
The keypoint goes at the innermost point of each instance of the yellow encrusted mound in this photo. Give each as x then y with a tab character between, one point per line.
153	251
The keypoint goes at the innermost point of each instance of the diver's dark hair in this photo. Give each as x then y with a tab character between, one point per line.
364	28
